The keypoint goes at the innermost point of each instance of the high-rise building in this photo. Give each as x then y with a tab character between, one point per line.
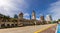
41	18
48	18
33	15
30	17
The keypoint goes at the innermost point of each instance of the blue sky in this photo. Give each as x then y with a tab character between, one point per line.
45	7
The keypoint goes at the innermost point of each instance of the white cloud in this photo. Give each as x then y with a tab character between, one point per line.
11	7
55	10
26	16
38	18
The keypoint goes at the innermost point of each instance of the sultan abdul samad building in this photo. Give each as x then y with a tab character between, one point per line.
20	21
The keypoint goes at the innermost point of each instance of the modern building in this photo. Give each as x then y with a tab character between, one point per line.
48	18
33	15
42	20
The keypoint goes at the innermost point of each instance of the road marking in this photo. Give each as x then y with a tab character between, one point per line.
40	30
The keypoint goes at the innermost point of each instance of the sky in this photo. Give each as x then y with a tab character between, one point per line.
41	7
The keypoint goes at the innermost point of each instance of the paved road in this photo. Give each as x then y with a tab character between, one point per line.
50	30
26	29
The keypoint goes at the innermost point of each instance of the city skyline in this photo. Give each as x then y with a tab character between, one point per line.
11	7
32	16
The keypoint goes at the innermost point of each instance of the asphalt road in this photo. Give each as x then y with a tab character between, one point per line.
25	29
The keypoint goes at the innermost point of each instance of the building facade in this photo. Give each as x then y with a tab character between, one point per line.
20	21
42	20
33	15
48	18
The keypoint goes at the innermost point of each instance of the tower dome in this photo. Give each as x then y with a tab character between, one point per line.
20	16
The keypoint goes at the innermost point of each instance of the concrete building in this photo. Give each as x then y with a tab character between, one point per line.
20	21
33	15
48	18
42	20
20	16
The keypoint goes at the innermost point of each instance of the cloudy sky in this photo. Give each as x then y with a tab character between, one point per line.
45	7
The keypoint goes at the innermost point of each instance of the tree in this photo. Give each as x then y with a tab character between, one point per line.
6	18
58	19
15	16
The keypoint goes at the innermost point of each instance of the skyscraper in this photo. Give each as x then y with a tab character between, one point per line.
30	17
33	15
42	18
48	18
